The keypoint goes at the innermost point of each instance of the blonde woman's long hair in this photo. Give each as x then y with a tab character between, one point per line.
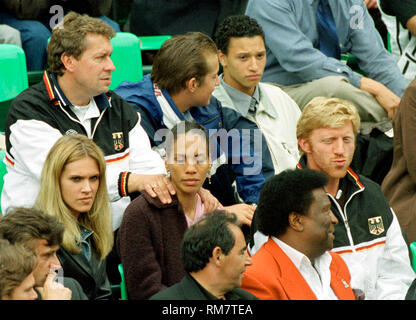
68	149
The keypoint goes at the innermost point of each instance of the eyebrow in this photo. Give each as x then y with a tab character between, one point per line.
247	52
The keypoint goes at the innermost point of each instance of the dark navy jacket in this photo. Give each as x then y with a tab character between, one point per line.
243	161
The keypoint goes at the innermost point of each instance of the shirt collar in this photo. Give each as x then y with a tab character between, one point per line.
240	100
57	96
294	255
298	258
85	233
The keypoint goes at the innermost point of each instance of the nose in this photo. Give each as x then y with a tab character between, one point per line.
339	147
248	262
334	219
86	186
33	294
217	81
253	63
110	65
54	263
190	167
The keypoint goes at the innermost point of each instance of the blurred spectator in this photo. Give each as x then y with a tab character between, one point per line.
305	60
16	272
399	186
42	234
165	17
35	19
214	255
372	7
10	35
400	19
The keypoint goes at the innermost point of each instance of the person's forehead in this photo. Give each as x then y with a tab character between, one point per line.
320	195
344	130
320	200
43	246
239	240
246	43
190	142
97	42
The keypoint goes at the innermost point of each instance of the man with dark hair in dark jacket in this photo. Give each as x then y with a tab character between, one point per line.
214	255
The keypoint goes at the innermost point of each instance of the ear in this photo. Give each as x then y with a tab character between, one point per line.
68	62
304	145
217	255
222	58
192	84
296	221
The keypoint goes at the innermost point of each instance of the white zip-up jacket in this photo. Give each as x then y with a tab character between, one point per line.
41	114
276	117
369	239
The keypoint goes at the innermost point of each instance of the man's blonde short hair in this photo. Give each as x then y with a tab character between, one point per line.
322	112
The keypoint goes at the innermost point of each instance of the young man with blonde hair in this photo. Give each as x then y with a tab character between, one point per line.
368	236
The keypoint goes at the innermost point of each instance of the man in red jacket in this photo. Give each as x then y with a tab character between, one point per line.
295	263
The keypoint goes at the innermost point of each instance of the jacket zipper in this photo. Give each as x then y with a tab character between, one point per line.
345	218
77	121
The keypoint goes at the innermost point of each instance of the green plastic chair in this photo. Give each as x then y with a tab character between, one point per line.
3	170
13	77
388	42
123	288
126	58
151	43
413	251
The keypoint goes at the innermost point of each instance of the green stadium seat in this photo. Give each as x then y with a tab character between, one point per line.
3	170
413	251
13	77
123	287
151	43
34	76
126	58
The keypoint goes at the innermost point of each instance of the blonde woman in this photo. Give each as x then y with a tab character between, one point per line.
73	189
